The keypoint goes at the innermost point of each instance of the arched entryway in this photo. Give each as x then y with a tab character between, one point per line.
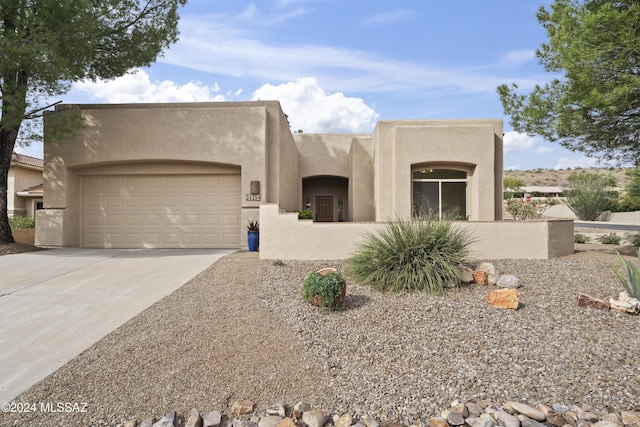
326	197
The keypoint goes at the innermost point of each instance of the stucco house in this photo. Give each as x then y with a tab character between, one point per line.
25	186
194	174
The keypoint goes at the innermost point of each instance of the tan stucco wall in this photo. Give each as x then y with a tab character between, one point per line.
361	200
21	178
285	237
471	145
243	135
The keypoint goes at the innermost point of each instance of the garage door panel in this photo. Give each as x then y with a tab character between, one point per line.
160	211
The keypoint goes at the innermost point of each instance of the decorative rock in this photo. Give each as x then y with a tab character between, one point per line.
490	269
130	423
300	408
455	419
168	420
630	417
344	421
390	424
194	419
461	409
625	303
211	419
607	423
277	409
241	423
474	410
241	407
315	418
270	421
369	421
147	422
504	298
561	419
559	408
466	275
527	410
507	420
508	281
287	422
544	408
480	277
528	422
590	417
611	417
479	422
437	422
591	302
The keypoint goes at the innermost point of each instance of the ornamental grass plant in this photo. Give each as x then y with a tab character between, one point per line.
426	255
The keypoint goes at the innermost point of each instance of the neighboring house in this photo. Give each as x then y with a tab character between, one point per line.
194	174
25	187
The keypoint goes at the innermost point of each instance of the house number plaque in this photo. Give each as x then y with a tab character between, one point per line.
253	197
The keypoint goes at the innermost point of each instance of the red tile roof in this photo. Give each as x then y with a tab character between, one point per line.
21	159
35	190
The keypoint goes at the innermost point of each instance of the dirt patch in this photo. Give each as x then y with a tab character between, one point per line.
17	248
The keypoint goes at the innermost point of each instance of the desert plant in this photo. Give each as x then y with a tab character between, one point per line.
521	210
327	288
609	239
588	196
17	222
634	239
305	214
253	226
406	255
580	238
631	282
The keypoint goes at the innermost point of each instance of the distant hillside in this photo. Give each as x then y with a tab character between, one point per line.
553	177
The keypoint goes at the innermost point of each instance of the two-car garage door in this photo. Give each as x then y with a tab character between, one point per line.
160	211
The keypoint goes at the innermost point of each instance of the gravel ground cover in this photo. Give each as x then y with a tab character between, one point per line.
239	331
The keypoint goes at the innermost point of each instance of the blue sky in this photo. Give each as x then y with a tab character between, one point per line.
342	65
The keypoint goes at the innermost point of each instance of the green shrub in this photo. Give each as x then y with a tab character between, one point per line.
17	222
521	210
631	282
609	239
305	214
328	288
424	255
588	196
580	238
634	239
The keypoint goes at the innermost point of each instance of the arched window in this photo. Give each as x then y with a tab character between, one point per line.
440	192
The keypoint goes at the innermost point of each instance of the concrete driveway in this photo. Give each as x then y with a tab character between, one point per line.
54	304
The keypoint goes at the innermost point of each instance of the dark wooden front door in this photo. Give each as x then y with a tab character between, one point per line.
324	208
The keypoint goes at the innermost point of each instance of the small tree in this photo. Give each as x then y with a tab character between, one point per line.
588	196
631	200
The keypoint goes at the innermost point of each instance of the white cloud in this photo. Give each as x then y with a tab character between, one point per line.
519	57
313	110
543	150
138	87
387	18
515	142
238	51
582	162
513	168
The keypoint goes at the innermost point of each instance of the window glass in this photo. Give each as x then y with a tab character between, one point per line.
439	192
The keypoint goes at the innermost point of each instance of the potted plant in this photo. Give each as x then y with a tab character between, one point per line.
324	288
253	235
